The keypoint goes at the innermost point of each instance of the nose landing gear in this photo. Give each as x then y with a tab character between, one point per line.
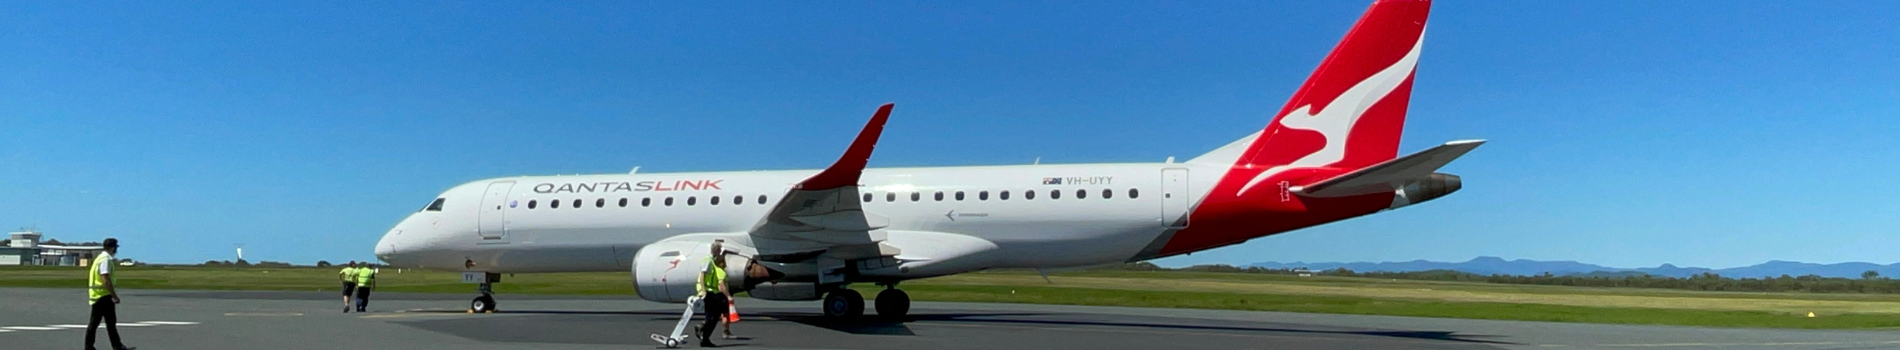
486	302
482	304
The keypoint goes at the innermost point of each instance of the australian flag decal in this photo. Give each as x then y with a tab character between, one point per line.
1052	181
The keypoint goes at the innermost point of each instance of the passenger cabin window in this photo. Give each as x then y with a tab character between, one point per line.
436	205
1055	194
1029	195
646	202
916	196
1080	194
556	203
737	200
1132	194
713	201
761	199
531	204
939	196
669	201
623	202
1002	195
1108	193
890	197
600	203
867	197
983	195
577	203
959	195
691	200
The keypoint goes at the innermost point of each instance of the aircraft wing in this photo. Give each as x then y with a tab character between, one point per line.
1392	174
823	216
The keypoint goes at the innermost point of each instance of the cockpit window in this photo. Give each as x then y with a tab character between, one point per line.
435	206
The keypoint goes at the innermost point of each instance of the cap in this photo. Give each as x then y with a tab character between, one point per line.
111	243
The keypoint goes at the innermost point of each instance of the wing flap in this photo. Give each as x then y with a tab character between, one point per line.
848	220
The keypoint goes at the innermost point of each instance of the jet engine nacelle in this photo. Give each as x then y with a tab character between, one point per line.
667	271
1429	188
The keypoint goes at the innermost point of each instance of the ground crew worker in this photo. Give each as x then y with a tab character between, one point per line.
104	297
348	276
365	281
712	290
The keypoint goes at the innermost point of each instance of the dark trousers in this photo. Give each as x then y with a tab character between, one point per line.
103	309
362	298
715	312
349	288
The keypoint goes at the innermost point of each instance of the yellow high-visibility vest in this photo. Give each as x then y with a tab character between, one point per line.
95	284
711	277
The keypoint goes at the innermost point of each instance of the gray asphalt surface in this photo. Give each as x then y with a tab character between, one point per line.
33	318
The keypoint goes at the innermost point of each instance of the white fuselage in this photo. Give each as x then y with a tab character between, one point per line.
476	230
1331	154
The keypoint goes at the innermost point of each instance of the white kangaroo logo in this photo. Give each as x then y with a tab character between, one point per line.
1336	121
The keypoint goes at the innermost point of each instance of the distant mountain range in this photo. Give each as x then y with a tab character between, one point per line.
1487	265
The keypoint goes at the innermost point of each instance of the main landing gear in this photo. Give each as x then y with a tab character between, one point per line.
893	303
844	303
484	303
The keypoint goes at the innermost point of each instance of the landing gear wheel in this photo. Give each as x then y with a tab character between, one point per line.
893	303
482	304
844	303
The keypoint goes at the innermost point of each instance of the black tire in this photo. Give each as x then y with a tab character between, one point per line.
893	303
482	304
844	303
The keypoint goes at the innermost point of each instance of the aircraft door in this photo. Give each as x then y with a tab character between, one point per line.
494	220
1174	197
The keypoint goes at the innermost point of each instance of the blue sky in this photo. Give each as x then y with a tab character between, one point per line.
1622	133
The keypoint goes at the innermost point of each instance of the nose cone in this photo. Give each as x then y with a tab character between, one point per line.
387	249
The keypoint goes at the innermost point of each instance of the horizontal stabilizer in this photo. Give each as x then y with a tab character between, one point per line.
1392	174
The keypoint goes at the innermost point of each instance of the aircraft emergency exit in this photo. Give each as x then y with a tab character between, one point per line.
1331	153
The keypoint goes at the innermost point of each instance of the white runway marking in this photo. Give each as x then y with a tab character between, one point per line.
29	328
169	323
81	326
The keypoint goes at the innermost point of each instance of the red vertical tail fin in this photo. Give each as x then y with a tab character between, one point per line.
1348	114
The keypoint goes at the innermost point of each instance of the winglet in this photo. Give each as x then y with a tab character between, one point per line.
845	172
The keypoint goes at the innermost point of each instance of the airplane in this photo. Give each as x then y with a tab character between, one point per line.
1330	154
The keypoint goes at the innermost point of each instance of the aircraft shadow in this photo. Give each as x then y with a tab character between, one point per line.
881	326
873	325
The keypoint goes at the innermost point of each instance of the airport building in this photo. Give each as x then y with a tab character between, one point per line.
25	248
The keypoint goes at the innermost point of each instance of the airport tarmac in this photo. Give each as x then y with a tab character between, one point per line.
37	318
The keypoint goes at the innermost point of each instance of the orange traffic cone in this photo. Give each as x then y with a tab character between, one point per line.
732	312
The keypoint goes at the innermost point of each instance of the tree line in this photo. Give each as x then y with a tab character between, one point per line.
1870	282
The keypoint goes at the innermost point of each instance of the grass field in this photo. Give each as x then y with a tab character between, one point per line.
1202	290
